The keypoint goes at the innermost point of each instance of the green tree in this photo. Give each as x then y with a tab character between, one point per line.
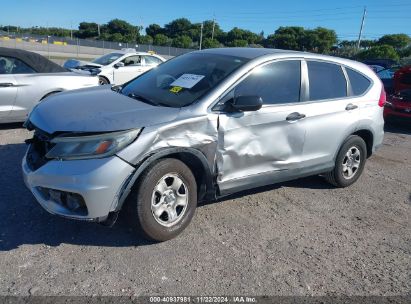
178	27
146	39
366	43
237	34
405	52
238	43
87	30
182	42
117	26
288	38
209	43
325	39
397	41
116	37
379	52
161	39
208	29
154	29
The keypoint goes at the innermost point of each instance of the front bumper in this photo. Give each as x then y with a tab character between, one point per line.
99	182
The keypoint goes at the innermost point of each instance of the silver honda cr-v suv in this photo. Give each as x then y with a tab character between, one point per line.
199	127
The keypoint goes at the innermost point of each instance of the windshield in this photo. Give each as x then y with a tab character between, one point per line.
107	59
182	80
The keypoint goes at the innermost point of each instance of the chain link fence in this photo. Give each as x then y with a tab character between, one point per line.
79	47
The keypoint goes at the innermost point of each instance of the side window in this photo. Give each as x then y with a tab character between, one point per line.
326	80
276	83
132	60
359	83
151	60
10	65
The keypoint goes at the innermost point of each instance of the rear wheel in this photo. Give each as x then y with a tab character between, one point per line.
164	202
349	163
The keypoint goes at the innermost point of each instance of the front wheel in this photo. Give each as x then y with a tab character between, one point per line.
103	81
349	163
164	202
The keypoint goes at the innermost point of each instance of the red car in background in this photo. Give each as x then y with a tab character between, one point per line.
399	104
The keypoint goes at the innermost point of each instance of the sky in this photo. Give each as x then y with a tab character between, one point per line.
382	17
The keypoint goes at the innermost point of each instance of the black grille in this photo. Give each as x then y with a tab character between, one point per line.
39	146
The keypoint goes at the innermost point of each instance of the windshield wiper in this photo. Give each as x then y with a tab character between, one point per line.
143	99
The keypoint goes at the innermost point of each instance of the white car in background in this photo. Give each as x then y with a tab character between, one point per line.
27	78
118	67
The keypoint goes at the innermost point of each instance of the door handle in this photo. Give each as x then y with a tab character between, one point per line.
6	84
295	116
351	106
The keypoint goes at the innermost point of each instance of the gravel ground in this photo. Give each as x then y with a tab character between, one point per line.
296	238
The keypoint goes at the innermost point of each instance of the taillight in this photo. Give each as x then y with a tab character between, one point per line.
383	98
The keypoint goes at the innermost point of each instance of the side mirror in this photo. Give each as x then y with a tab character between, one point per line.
119	65
247	103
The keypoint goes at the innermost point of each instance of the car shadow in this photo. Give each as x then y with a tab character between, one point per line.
14	125
312	182
398	126
24	221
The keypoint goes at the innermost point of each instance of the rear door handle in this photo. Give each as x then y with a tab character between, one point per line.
351	106
295	116
6	84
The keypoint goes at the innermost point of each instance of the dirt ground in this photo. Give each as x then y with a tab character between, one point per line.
297	238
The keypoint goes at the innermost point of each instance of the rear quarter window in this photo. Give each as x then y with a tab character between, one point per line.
359	83
326	80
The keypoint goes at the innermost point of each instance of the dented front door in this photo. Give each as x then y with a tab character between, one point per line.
253	147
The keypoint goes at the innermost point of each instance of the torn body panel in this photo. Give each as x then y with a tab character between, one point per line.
199	133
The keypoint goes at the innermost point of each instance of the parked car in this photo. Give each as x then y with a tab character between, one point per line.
387	78
376	68
199	127
386	63
118	67
27	78
402	78
398	106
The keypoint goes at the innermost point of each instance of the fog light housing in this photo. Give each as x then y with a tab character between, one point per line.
73	202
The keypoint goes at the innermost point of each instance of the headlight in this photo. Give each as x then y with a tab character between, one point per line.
91	146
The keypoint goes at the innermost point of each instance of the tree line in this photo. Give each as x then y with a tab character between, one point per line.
183	33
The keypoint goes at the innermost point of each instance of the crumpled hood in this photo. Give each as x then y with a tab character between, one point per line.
97	109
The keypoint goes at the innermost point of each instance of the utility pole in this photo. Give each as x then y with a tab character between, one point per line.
361	28
201	34
71	30
212	33
98	29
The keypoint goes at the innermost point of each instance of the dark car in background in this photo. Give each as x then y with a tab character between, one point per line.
398	105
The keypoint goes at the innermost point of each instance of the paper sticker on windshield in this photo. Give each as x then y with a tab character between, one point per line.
187	81
175	89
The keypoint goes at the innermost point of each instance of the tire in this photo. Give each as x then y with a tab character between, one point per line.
102	80
340	176
152	201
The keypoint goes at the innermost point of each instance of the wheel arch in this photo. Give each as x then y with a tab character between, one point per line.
192	158
54	91
368	138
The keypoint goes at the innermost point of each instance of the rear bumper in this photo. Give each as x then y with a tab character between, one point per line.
99	182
